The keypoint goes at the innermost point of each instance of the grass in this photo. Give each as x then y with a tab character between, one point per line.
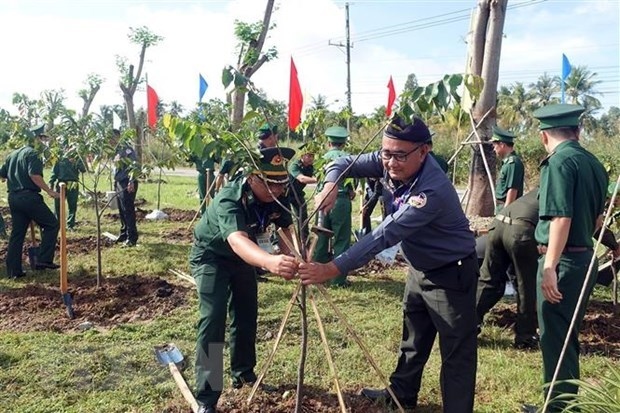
115	370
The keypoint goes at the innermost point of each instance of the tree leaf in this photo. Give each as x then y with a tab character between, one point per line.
227	76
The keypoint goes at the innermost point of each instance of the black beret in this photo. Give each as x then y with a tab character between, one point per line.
415	131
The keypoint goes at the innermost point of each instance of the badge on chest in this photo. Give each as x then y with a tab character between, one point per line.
263	240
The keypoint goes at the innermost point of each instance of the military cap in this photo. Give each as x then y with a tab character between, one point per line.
416	131
336	134
266	130
501	135
558	115
38	130
273	164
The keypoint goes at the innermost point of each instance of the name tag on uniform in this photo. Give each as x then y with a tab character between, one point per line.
264	242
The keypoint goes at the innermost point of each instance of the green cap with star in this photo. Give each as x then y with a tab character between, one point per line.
273	164
558	115
502	135
336	134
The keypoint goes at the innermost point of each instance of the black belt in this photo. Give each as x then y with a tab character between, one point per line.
542	249
513	221
21	191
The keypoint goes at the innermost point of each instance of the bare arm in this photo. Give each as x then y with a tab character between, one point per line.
252	254
511	196
306	179
40	182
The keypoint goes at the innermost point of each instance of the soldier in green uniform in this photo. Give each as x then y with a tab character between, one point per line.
301	173
267	136
229	242
509	184
573	185
339	218
438	158
23	170
206	173
67	169
511	242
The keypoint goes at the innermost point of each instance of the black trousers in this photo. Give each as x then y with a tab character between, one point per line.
127	211
440	302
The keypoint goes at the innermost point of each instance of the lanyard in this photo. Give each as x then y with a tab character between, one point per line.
262	219
399	200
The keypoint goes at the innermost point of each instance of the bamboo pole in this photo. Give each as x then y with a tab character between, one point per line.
63	240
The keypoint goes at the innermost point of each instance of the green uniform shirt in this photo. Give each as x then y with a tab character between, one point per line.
440	160
332	155
510	177
295	169
19	165
67	170
573	183
234	209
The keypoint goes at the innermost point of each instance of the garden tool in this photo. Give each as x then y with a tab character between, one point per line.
64	284
33	250
169	355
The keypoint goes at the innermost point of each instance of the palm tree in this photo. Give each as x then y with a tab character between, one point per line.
541	93
514	107
580	87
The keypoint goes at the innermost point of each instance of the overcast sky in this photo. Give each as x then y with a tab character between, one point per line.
56	44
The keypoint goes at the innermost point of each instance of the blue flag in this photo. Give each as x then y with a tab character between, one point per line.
202	87
565	67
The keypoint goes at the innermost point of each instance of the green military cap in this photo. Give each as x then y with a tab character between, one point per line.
38	130
501	135
336	134
558	115
266	130
273	164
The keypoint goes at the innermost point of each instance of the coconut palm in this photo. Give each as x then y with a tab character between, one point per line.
541	93
580	87
514	107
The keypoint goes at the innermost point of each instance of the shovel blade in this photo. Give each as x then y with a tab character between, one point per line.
68	301
168	353
33	252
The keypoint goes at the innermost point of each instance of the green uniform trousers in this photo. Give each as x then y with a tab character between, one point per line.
28	206
339	221
554	320
225	287
202	188
443	302
510	244
71	195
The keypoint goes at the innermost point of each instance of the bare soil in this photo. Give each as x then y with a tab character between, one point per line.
39	307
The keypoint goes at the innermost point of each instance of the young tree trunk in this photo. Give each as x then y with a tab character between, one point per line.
485	52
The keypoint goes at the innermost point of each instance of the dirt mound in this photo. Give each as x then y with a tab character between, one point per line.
85	245
39	307
180	215
600	330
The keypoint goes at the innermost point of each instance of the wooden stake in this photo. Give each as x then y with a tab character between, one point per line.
328	354
63	240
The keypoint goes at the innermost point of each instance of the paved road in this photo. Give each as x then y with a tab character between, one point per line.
190	172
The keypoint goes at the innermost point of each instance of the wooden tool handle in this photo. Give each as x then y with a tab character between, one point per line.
182	385
63	238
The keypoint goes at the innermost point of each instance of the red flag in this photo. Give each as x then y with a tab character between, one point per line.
391	98
295	99
151	102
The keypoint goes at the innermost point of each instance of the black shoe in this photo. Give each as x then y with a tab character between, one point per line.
529	408
129	244
206	409
18	275
383	396
120	239
249	379
526	343
46	266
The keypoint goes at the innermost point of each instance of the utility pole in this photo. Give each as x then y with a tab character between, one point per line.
348	47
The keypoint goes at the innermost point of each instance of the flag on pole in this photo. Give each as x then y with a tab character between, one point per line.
203	85
566	68
295	99
391	98
151	102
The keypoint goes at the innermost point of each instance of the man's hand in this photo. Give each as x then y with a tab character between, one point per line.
316	273
130	187
549	286
282	265
53	194
326	200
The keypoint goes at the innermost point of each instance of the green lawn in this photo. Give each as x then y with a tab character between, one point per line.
113	369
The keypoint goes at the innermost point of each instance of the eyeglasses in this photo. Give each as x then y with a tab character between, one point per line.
397	156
